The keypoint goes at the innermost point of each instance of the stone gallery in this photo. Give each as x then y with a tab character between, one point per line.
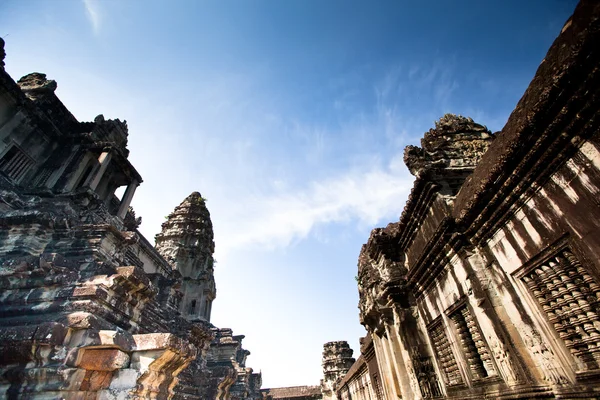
489	284
487	287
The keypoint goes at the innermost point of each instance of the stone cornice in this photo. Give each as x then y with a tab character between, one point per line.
554	115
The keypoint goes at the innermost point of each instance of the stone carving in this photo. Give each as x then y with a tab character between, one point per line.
545	356
380	275
36	86
570	298
450	151
504	361
445	355
511	196
130	222
476	351
186	241
89	308
425	375
337	361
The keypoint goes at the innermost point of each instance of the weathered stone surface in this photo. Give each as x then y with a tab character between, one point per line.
186	241
293	393
103	359
89	309
453	148
337	361
488	286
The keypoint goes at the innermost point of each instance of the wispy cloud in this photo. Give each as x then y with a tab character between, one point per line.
93	13
277	220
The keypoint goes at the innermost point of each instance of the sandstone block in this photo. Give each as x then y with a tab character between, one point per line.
103	359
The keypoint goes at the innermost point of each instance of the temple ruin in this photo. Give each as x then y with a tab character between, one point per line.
489	284
89	308
487	287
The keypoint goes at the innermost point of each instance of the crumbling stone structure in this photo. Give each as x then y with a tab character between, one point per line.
89	309
186	242
489	284
293	393
337	360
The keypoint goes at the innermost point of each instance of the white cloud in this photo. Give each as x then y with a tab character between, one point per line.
92	11
277	220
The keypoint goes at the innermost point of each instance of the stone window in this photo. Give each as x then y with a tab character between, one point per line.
42	177
444	353
377	387
570	298
15	163
193	307
477	354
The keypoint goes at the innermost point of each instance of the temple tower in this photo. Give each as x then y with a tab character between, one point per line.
449	153
337	360
186	242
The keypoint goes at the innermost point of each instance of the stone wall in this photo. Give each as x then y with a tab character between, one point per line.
489	284
362	381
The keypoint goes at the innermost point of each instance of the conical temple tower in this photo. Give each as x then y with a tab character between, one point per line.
186	241
337	361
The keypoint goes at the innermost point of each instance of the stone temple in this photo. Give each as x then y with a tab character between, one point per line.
487	287
89	309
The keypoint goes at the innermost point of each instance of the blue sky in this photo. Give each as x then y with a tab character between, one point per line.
290	117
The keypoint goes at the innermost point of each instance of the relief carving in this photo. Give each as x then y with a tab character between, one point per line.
504	362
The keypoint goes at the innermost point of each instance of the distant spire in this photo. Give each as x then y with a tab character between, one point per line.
186	239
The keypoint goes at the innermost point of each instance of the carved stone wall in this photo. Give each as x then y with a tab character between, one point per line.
488	285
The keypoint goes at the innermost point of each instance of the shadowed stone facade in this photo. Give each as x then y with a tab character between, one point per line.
489	284
89	309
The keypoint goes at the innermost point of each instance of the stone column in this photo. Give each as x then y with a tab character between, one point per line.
104	160
384	370
79	169
127	197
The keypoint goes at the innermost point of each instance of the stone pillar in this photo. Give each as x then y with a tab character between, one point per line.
401	364
209	310
104	160
391	380
127	197
79	171
59	172
381	356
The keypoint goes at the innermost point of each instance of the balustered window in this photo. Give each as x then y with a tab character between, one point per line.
570	298
476	350
444	354
377	387
15	163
